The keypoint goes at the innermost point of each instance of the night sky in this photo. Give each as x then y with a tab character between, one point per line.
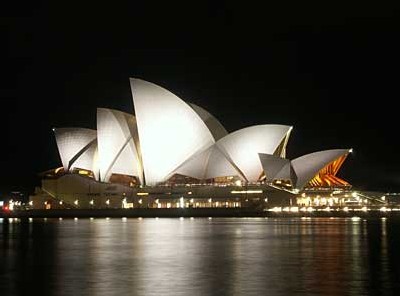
329	70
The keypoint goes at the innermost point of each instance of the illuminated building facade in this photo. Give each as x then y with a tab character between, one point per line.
170	154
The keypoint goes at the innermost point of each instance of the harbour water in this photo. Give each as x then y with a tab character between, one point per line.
200	256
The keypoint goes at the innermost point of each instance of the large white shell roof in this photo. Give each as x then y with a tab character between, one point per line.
170	131
208	164
117	149
168	136
237	154
275	166
242	147
76	147
300	170
307	166
216	128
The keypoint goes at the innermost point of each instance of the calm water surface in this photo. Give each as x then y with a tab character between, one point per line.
219	256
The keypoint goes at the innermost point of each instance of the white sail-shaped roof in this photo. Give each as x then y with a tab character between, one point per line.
208	164
216	128
219	165
237	154
76	147
195	166
170	131
274	166
307	166
126	163
242	147
116	144
88	160
287	173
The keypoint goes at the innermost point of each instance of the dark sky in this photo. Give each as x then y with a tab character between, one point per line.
329	69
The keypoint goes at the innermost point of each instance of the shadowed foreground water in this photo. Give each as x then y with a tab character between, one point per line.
219	256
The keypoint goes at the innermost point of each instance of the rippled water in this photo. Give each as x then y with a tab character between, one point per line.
219	256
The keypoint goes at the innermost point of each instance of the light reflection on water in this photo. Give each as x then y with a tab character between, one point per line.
201	256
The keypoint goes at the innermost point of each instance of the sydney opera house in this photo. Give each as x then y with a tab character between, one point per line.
172	154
